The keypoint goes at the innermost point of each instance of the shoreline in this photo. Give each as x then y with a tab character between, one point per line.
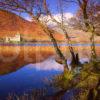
47	44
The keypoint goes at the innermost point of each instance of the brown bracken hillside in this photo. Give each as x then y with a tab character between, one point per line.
11	23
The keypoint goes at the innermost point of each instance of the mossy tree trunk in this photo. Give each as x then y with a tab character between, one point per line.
89	27
93	52
49	32
75	56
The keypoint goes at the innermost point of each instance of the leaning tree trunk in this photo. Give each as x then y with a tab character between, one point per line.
49	32
93	52
75	56
58	51
90	28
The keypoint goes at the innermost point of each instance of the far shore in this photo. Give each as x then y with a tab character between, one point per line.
46	43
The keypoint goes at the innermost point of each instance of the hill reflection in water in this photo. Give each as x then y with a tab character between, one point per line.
29	77
34	74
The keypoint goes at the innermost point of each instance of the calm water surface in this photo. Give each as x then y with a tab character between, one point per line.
32	76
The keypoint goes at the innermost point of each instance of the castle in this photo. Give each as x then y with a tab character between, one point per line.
16	38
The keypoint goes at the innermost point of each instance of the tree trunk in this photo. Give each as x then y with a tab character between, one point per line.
85	15
58	51
93	52
90	28
53	40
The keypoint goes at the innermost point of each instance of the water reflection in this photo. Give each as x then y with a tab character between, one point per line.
30	77
34	76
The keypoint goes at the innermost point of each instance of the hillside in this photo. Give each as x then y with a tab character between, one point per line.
11	23
78	36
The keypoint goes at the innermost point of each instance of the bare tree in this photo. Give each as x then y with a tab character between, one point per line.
63	27
75	23
34	8
84	6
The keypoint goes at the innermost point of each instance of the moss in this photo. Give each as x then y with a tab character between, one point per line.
68	75
84	74
88	67
89	82
82	95
62	81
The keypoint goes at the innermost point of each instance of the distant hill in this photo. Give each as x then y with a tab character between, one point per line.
11	23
